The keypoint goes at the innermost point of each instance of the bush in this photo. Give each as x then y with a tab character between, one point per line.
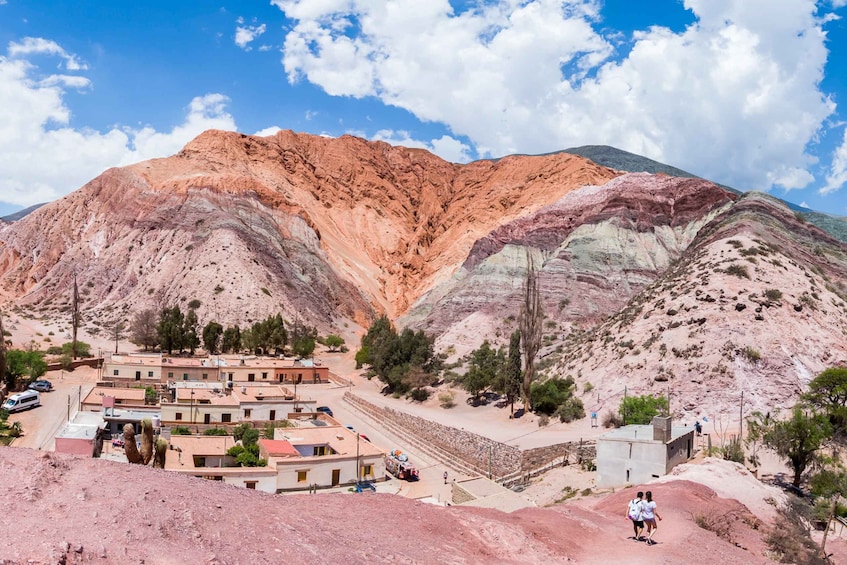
447	399
773	294
543	420
642	409
547	397
587	387
419	394
612	420
216	432
571	410
739	271
180	431
751	354
733	451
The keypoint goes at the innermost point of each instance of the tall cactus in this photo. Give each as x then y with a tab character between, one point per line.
161	450
131	450
146	441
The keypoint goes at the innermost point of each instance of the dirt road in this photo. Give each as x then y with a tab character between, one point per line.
41	424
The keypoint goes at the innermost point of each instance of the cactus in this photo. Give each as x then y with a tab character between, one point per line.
161	451
131	450
146	441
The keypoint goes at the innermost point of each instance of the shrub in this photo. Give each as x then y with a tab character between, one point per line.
419	394
739	271
773	294
612	420
751	354
587	387
642	409
180	431
571	410
733	451
548	396
216	432
543	420
447	400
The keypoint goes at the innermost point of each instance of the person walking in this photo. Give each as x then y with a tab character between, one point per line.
634	511
650	513
445	477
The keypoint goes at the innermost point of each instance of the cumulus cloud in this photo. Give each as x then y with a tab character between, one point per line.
34	128
446	147
735	96
838	169
245	34
272	130
40	46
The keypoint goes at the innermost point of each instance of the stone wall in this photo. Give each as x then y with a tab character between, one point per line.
573	451
475	451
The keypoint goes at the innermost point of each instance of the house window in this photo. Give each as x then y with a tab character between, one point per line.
229	377
264	375
272	415
251	377
367	470
319	450
226	418
170	375
185	376
115	373
178	416
150	374
207	418
248	412
301	476
250	484
205	376
199	461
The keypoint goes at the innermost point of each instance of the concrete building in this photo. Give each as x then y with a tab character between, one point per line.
313	453
637	454
212	403
154	368
126	398
82	436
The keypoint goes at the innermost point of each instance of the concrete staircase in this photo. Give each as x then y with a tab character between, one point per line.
445	458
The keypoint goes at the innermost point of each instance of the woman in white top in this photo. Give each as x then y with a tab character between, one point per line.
649	515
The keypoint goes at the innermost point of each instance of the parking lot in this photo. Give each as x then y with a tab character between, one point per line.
41	424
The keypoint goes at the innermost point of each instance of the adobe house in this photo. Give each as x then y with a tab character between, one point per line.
637	454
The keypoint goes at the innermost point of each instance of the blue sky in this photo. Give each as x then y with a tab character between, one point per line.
745	92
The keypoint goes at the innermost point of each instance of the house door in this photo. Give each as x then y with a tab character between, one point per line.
207	418
336	477
138	375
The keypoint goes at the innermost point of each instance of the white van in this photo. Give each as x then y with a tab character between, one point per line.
22	401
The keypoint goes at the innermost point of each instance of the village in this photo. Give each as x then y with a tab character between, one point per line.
316	430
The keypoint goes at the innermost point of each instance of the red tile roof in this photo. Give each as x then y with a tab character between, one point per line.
278	448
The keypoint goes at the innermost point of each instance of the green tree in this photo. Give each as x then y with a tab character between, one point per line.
828	392
20	364
398	360
551	394
485	364
511	376
303	340
190	331
798	439
212	337
3	350
170	329
530	322
231	340
334	342
82	349
142	329
642	409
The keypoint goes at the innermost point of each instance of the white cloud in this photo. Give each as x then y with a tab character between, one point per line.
446	147
837	176
735	96
40	46
34	129
272	130
245	34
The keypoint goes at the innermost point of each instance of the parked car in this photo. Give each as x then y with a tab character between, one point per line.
41	386
325	410
22	401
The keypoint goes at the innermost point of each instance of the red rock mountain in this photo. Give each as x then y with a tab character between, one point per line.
316	227
653	282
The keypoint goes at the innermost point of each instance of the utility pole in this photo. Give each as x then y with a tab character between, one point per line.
358	469
624	405
741	418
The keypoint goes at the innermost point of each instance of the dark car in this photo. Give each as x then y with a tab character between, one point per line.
325	410
41	386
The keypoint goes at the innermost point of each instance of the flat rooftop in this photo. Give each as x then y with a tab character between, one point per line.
634	432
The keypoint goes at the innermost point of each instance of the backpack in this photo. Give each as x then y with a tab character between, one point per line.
634	512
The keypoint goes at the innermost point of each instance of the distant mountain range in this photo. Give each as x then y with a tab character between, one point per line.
21	213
